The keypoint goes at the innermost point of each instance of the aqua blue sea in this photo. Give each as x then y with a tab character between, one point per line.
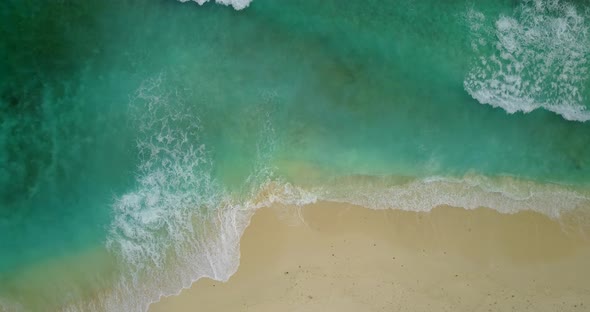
140	132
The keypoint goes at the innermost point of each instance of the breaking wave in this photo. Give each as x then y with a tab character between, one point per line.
236	4
503	194
535	58
179	224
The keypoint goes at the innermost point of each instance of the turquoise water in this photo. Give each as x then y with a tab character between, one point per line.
143	130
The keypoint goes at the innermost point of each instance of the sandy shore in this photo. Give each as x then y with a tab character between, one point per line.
337	257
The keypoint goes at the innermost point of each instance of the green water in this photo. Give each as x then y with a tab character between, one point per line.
124	123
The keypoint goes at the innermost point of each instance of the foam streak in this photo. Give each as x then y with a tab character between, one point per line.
236	4
535	58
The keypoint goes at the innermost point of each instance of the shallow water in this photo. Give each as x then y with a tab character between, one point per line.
148	131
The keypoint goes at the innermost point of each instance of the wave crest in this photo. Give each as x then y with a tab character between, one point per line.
535	58
179	224
236	4
503	194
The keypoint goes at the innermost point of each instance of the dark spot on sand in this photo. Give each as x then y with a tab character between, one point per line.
310	297
287	272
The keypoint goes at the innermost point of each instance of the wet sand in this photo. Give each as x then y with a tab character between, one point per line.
339	257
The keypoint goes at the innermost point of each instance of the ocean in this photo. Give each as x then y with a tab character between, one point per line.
137	138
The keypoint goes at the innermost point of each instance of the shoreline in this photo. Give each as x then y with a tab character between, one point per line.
339	257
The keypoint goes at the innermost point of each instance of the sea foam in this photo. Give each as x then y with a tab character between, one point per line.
179	224
535	58
210	246
504	194
236	4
